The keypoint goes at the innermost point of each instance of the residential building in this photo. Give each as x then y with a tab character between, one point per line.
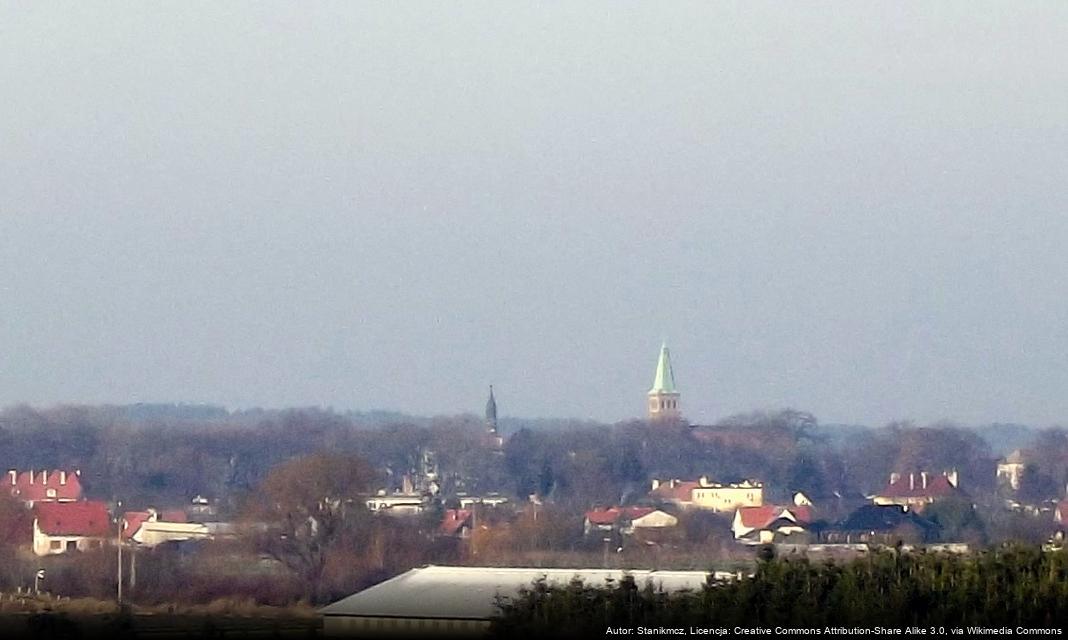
917	490
770	523
461	601
488	500
397	504
882	524
1010	470
704	494
832	505
674	491
718	496
43	485
150	528
663	397
62	527
158	532
626	520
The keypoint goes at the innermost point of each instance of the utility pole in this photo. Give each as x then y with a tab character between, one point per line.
118	541
133	569
474	529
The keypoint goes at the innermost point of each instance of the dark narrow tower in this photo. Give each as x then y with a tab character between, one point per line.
491	413
493	439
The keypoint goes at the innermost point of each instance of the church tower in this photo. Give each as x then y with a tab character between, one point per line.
664	397
491	413
493	438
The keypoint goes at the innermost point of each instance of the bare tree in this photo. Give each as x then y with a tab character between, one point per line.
305	507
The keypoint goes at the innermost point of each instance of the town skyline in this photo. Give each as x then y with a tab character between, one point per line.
377	319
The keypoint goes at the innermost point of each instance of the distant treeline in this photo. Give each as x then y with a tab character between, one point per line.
158	455
1018	586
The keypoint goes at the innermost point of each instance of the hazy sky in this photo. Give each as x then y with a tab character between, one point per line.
859	210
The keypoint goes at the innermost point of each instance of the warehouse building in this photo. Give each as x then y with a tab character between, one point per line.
436	601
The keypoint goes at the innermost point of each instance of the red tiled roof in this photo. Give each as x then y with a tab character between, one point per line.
682	491
454	520
43	486
613	514
131	522
938	486
89	519
762	517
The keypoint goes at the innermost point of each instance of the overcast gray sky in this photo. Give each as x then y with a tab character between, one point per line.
860	210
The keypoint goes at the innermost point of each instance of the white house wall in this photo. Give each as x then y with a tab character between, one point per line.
42	543
655	519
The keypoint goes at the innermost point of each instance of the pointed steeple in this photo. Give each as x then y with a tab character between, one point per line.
664	396
491	412
664	382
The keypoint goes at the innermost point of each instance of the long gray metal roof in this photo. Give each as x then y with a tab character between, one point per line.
470	592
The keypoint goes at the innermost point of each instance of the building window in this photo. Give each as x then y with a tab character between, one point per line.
55	544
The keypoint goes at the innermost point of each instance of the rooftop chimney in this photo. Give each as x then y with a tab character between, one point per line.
44	477
923	478
703	481
656	484
31	476
894	477
14	475
62	478
912	481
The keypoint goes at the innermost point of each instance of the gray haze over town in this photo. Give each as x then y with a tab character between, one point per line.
857	211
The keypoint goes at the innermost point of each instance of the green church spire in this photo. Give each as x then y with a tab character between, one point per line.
665	377
664	396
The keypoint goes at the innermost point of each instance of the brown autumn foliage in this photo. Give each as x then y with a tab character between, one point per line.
16	522
307	506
